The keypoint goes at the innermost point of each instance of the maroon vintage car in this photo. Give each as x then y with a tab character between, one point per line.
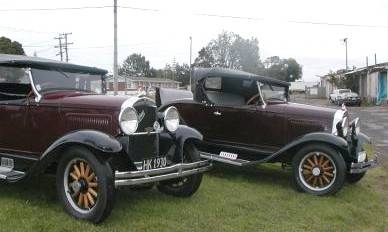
246	119
53	117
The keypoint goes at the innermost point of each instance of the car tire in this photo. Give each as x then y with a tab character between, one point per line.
184	186
354	178
87	193
318	169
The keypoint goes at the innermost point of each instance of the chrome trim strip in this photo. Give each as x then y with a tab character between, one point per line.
146	133
176	167
237	162
261	95
174	175
38	97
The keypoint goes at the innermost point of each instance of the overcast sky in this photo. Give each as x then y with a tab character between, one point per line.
163	35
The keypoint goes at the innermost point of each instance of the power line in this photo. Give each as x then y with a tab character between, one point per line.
57	8
63	46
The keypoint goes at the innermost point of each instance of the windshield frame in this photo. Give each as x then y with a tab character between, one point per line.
38	93
265	101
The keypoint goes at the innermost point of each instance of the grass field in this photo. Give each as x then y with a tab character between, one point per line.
229	199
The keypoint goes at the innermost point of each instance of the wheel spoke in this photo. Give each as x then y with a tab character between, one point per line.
315	160
92	184
87	170
328	174
310	162
306	166
321	158
74	176
90	178
307	172
80	199
315	181
86	201
325	179
91	200
82	167
325	163
328	168
77	171
320	182
310	178
94	193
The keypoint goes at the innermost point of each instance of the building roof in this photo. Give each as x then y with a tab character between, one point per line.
371	68
144	79
37	62
201	73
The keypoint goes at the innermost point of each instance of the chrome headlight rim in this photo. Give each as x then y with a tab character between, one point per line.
167	121
345	126
355	125
128	131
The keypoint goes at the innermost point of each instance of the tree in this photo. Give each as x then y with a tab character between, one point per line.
282	69
230	50
8	46
135	65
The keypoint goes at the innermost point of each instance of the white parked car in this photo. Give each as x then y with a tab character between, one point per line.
345	96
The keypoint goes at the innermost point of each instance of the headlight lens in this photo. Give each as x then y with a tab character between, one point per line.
171	119
128	120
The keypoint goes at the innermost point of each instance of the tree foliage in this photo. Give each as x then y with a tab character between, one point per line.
136	65
230	50
8	46
282	69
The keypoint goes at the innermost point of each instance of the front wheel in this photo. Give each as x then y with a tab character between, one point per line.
183	186
85	185
318	169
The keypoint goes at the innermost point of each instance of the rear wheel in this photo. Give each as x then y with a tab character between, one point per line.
318	169
85	185
183	186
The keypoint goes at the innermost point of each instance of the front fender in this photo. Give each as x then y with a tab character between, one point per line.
179	137
338	142
91	138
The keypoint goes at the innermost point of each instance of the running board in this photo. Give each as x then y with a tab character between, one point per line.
235	162
10	175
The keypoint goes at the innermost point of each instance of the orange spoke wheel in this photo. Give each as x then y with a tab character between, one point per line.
81	185
317	171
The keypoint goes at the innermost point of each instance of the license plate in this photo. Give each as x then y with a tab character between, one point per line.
157	162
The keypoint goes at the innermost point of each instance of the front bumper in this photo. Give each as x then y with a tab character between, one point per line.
166	173
363	166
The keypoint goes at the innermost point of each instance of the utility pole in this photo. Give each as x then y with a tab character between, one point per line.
115	68
65	45
191	49
346	52
59	38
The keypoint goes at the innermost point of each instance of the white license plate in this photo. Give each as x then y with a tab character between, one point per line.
154	163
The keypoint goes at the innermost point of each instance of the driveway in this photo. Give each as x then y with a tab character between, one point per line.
374	120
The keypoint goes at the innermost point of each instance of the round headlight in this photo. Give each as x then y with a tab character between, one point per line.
171	119
128	120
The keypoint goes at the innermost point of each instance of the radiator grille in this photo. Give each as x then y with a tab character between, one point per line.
89	121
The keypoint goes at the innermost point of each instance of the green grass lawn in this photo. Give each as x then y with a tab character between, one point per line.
229	199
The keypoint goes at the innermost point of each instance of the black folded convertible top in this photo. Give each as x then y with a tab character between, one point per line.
200	73
37	62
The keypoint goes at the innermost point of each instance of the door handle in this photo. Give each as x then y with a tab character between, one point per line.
217	113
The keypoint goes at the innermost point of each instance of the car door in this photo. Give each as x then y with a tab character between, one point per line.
14	110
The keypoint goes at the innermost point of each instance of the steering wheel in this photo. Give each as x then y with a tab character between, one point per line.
254	97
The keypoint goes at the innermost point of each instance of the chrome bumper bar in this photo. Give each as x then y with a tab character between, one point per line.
363	167
160	174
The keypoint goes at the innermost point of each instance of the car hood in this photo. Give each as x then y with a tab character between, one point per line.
85	101
321	115
350	95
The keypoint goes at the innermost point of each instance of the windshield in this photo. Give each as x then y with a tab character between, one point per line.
46	80
344	91
272	92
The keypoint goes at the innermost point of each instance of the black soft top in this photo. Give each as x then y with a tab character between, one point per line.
37	62
201	73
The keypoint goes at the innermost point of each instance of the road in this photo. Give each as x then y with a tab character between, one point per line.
374	120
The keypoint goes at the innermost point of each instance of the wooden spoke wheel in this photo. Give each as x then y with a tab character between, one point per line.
81	185
317	171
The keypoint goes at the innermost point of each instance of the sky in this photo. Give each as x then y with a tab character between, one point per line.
297	29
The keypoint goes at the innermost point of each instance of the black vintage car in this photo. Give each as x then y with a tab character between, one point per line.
247	119
55	118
